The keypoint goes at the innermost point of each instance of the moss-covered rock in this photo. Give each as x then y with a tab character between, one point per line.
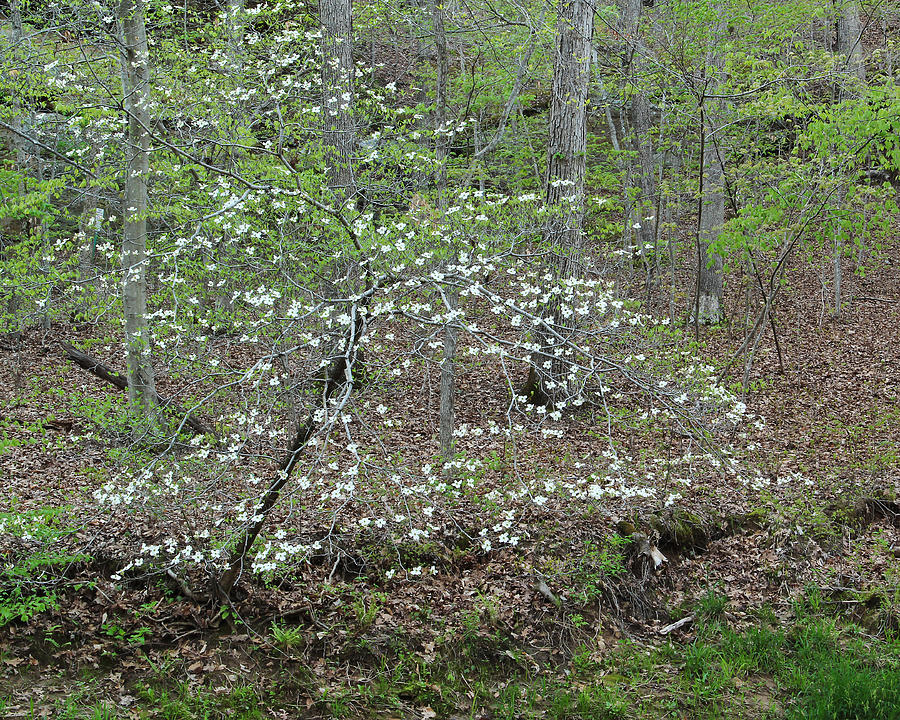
682	530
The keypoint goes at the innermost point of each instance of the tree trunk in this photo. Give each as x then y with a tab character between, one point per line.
338	70
849	41
712	193
838	275
849	48
20	144
91	223
887	44
440	104
136	97
15	17
448	381
712	217
567	151
642	143
567	143
448	363
235	30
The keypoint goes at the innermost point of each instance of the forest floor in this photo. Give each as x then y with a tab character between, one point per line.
790	595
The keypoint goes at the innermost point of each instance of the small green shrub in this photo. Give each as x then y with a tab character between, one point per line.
27	579
287	636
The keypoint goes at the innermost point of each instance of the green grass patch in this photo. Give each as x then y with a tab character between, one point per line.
817	669
810	668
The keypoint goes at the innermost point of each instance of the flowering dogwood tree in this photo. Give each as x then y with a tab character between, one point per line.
295	324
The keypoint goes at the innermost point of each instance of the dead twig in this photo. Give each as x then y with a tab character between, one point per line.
676	625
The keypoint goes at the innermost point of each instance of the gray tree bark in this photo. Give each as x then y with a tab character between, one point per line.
887	44
15	17
712	195
712	217
567	138
91	222
448	381
849	48
135	62
837	233
567	155
442	66
642	143
849	40
451	298
338	71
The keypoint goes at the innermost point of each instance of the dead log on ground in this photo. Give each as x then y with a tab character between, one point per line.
98	369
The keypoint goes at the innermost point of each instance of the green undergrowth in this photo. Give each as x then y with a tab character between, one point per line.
32	561
811	666
814	667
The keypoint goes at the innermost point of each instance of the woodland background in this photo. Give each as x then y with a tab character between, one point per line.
479	359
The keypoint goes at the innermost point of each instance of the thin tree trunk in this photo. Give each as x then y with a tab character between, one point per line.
712	197
440	105
136	97
15	17
709	309
837	232
338	71
221	286
671	248
603	98
655	277
849	46
20	144
613	133
448	363
531	153
91	222
642	143
849	41
235	29
448	380
887	45
235	17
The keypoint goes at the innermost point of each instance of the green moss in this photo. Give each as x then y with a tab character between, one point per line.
682	529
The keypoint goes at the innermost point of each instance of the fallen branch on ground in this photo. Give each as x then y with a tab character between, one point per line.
676	625
98	369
